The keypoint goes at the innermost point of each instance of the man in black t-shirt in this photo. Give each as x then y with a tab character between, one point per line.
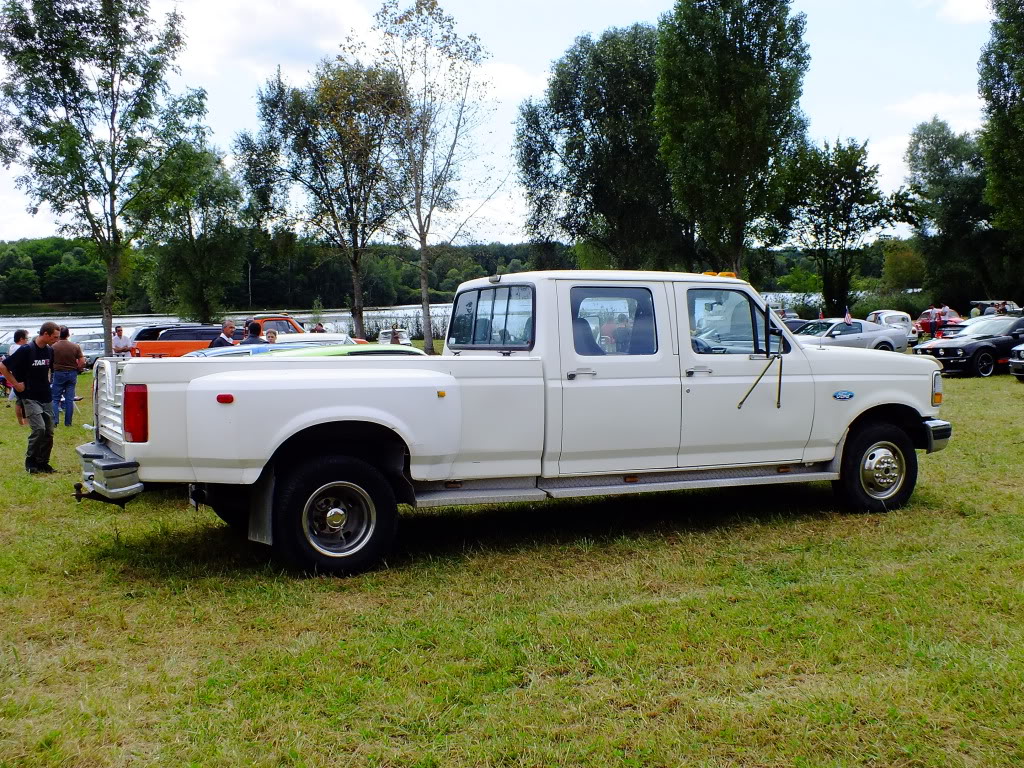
28	372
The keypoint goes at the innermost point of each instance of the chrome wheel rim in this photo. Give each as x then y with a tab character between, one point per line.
883	470
338	519
985	364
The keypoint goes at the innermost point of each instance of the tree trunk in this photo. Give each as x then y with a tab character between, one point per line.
357	297
107	299
428	331
736	243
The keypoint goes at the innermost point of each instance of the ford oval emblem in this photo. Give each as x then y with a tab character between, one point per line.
843	394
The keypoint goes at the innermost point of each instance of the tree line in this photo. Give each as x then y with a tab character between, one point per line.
679	145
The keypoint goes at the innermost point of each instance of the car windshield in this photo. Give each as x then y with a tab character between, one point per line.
815	328
991	326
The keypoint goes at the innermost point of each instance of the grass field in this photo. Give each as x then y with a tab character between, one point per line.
726	628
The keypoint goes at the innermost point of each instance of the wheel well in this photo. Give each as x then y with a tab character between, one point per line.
377	445
903	416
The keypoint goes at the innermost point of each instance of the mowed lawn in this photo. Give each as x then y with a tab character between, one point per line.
725	628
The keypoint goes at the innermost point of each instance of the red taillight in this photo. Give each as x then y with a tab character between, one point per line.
135	414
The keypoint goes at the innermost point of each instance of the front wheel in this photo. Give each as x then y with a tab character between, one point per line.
878	471
334	514
983	365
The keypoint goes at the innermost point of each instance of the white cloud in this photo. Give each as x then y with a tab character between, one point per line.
961	110
512	83
888	153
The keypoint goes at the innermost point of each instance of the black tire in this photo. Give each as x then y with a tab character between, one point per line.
335	514
878	471
983	364
885	347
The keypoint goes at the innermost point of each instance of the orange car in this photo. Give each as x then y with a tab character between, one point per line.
175	339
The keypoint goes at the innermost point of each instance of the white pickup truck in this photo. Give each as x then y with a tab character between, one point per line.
551	385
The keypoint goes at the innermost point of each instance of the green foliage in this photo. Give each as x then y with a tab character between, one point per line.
904	266
21	286
800	280
1001	84
730	75
911	303
588	155
316	314
965	255
841	205
74	282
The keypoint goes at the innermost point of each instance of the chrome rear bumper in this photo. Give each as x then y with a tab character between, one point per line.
107	475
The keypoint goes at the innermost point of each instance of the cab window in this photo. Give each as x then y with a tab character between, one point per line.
493	318
728	322
613	321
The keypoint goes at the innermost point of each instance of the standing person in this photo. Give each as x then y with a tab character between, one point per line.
931	315
122	345
68	362
253	337
226	335
271	336
20	340
975	311
990	310
318	328
28	371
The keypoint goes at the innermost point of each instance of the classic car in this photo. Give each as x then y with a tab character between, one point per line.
858	333
921	325
896	319
980	349
1017	362
394	336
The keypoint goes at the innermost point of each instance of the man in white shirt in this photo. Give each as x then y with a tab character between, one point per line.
122	344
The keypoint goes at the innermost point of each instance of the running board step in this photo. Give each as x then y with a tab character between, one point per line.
497	491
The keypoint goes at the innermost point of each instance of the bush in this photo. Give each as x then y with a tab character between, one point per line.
911	303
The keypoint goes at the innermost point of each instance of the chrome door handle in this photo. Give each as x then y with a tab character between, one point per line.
698	369
571	375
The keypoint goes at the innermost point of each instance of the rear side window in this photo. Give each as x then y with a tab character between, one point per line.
612	321
493	318
190	334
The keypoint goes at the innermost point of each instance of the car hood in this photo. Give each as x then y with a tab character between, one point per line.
853	361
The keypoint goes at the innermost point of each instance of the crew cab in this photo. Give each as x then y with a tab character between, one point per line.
551	385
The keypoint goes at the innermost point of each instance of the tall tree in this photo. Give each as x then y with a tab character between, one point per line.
86	110
842	205
588	155
965	254
1002	88
439	70
190	226
333	142
730	75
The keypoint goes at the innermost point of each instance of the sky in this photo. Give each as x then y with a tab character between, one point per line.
878	68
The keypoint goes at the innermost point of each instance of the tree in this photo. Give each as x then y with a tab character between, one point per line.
730	75
842	206
21	286
964	253
87	111
438	70
1002	88
332	141
588	155
189	223
903	267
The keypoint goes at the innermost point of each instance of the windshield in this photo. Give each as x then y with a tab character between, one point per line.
993	326
815	328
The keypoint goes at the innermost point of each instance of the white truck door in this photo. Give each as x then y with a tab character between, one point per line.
619	377
721	354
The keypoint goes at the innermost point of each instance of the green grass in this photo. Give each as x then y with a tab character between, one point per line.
703	628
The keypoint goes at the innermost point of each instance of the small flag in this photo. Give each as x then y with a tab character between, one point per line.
846	318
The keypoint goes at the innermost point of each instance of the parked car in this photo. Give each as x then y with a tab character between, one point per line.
245	350
92	349
980	349
175	339
795	324
1017	362
350	350
922	326
896	319
387	335
859	333
955	330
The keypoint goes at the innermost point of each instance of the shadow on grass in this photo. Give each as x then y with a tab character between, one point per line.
207	548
